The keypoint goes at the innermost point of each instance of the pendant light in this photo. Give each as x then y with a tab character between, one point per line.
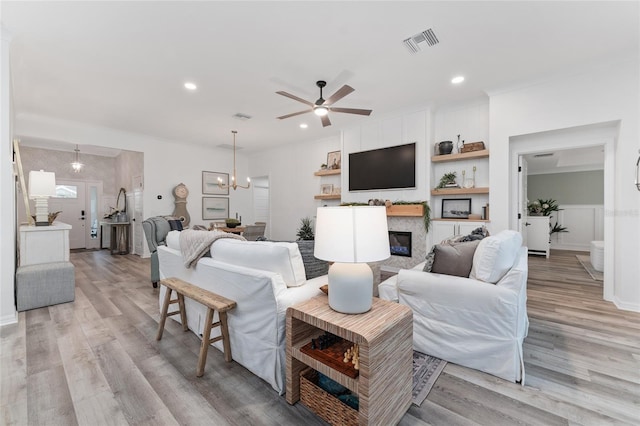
77	165
234	182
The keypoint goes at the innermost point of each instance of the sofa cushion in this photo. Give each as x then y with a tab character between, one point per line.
281	258
454	258
495	255
173	240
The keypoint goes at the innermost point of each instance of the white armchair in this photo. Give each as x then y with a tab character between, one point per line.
467	321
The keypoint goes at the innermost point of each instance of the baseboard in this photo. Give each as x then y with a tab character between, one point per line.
571	247
9	319
625	306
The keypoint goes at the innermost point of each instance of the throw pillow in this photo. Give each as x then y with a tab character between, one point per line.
495	256
430	257
454	259
175	224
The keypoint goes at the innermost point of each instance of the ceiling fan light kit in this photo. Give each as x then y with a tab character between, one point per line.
321	107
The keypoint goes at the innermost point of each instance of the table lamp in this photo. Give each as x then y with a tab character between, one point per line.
42	185
350	236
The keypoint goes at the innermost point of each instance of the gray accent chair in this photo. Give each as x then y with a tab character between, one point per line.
156	230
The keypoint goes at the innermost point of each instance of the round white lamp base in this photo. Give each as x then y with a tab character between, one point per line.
350	287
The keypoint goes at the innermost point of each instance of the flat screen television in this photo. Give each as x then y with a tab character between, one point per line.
393	167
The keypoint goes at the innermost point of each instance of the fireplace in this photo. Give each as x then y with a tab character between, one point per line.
400	243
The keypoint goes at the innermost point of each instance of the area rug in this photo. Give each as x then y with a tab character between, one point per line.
426	370
585	261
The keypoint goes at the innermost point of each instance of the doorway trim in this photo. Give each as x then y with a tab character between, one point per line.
602	134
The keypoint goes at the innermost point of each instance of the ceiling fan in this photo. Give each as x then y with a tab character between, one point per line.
322	107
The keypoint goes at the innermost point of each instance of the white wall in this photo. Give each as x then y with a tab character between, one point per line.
292	184
603	95
8	312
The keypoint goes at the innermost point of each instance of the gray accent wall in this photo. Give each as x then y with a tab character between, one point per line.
568	188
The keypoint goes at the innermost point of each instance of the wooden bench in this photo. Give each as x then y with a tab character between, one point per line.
212	301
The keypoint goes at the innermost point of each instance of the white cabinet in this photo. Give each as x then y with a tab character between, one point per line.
537	238
44	244
443	229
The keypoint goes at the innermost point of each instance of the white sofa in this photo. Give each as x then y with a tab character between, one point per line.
264	278
478	322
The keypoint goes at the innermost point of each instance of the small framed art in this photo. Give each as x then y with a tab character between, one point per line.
210	183
326	189
456	208
334	160
215	208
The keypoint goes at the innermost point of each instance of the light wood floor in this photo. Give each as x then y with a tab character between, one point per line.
96	362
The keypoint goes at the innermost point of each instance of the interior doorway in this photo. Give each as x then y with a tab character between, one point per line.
261	210
600	136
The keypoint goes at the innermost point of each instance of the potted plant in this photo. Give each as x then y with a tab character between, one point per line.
305	232
231	222
447	180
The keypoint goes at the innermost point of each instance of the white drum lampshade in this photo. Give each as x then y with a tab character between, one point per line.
42	185
351	236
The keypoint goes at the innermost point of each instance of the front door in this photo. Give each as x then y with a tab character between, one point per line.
70	202
79	204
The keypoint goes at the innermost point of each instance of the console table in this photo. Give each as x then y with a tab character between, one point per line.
120	237
385	337
44	244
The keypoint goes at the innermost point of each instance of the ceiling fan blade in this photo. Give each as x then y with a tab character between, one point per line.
325	121
295	98
341	93
351	110
294	114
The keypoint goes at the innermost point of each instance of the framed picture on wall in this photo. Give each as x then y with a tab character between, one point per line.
458	208
215	208
210	183
333	160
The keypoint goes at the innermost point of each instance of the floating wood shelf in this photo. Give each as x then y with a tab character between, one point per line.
416	210
327	172
456	157
327	197
459	191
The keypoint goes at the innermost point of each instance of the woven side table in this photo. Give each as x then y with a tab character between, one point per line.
384	335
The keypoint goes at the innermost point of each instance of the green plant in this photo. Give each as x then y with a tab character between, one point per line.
446	179
305	232
557	228
232	221
542	207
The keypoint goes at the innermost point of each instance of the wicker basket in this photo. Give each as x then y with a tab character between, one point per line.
325	405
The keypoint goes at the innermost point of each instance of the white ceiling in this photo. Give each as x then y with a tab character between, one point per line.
562	161
123	64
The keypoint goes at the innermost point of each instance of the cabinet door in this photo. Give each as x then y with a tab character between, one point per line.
443	230
537	229
465	228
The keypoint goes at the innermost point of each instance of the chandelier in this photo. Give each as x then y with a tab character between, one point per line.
77	165
234	183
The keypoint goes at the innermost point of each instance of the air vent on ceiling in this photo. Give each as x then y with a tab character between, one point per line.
426	36
547	154
241	116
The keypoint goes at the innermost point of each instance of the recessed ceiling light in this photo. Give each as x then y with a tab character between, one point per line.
304	125
457	80
190	86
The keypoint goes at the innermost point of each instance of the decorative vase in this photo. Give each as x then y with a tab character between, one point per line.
445	147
